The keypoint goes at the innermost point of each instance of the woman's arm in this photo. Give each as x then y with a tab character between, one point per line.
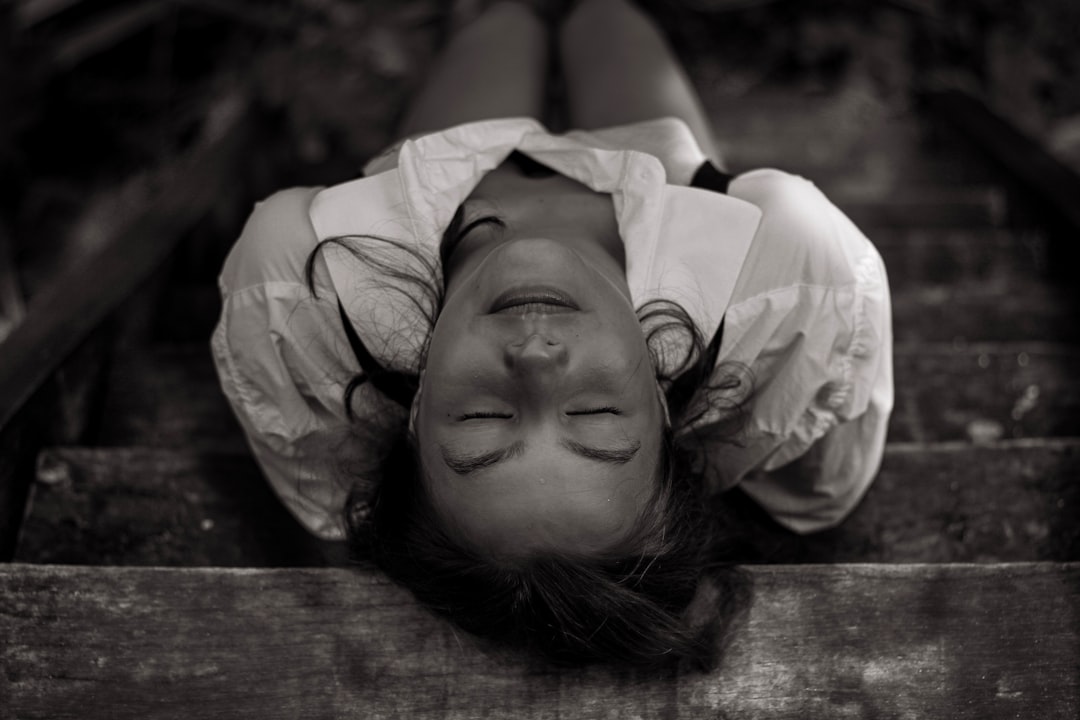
812	319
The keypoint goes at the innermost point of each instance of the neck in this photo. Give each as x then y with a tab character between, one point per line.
556	208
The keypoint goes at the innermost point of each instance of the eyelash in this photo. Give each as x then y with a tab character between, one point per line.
598	411
473	416
504	416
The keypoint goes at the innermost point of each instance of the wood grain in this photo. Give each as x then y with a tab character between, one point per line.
1014	501
975	311
1006	390
938	256
169	396
139	506
950	641
939	503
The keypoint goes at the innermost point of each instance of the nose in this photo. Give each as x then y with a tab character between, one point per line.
536	354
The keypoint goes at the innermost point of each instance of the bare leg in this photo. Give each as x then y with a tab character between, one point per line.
619	69
495	67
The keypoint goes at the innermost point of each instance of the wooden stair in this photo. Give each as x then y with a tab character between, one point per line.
156	575
821	641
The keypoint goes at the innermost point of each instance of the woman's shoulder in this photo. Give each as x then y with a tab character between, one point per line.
275	243
803	239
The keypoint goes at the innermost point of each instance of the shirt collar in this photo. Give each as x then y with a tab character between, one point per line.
682	244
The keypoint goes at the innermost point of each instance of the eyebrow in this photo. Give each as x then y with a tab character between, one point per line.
615	456
463	463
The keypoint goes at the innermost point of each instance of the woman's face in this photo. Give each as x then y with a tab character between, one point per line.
539	419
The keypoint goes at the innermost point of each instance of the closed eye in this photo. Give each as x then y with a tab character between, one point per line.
482	415
454	236
597	411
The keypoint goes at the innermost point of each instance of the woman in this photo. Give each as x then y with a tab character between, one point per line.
529	355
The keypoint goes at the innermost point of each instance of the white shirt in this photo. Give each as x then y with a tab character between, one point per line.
804	296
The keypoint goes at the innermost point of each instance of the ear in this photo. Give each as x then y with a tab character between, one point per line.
415	409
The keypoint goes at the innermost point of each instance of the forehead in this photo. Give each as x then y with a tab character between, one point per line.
540	501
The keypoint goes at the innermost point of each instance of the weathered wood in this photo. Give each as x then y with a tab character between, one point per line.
189	313
953	641
987	312
928	207
922	256
1013	501
70	307
136	506
985	391
57	414
19	443
948	502
852	142
976	310
168	396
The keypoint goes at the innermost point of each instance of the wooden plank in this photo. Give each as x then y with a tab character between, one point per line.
987	391
63	313
922	256
19	443
955	641
136	506
1010	501
189	313
975	310
928	207
57	414
168	396
1007	501
987	312
850	141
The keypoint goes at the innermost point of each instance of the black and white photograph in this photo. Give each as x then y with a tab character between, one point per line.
574	359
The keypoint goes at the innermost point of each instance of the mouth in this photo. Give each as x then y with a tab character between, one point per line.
522	301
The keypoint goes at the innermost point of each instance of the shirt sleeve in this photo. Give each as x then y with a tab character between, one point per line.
812	321
282	364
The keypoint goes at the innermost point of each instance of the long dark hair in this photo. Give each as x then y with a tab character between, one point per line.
664	596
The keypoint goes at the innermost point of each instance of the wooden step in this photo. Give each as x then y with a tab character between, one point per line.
1007	501
138	506
985	391
907	641
971	312
852	134
990	311
168	396
922	256
1010	501
961	207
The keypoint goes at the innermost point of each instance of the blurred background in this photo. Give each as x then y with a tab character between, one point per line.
104	101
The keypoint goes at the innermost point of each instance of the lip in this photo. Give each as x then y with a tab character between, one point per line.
536	298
